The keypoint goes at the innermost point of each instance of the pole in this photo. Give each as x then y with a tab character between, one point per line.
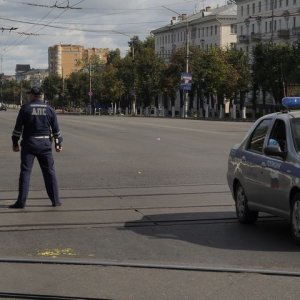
272	22
133	109
21	94
90	92
186	93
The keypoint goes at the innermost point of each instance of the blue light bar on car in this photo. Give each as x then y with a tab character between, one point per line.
291	102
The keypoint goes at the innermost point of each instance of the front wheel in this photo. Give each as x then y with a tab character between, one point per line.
295	218
244	214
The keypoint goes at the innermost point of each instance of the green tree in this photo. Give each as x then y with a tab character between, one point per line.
210	72
52	86
273	67
113	87
77	85
148	73
238	77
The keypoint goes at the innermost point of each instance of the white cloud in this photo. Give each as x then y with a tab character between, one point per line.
97	19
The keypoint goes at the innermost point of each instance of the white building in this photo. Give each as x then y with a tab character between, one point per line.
267	21
207	28
36	76
211	27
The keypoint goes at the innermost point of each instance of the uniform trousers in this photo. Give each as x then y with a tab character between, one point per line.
40	148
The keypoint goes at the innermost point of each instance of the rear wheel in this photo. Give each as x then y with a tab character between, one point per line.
295	218
244	214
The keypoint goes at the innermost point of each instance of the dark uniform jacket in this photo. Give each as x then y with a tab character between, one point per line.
36	119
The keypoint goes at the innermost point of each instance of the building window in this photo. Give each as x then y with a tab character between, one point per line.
280	3
294	22
266	27
259	6
242	10
211	30
216	29
248	10
242	29
232	28
252	28
266	4
275	25
275	4
286	2
253	8
199	33
294	2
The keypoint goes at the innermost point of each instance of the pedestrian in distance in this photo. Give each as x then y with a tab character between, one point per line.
37	125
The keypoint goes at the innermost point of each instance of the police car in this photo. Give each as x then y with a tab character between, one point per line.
264	169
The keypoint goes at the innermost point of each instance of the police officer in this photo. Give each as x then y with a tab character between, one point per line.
36	123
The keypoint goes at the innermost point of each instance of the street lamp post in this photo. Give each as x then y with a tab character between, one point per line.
186	98
90	90
186	91
21	94
133	108
1	89
133	112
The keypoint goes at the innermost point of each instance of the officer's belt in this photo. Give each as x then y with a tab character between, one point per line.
42	137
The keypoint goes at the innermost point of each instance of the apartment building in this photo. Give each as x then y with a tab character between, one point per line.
273	21
67	58
208	28
36	76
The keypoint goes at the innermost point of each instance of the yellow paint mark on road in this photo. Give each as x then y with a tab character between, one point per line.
56	252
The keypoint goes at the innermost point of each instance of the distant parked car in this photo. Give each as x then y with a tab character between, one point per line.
3	107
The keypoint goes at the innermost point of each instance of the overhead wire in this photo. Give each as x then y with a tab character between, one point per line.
26	35
30	33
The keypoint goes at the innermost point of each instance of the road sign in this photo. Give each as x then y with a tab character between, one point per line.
186	81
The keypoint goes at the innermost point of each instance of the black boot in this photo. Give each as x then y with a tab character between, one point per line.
17	205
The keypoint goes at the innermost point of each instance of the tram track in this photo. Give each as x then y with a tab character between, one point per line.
28	211
127	195
147	222
31	296
150	265
87	188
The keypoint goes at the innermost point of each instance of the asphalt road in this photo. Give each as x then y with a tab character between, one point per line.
146	214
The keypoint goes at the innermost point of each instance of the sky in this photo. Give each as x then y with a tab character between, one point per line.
29	27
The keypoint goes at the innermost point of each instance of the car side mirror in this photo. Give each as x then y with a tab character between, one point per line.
274	150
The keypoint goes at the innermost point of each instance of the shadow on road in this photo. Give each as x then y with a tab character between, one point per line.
218	230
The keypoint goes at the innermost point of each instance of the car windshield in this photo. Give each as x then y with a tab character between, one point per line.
295	125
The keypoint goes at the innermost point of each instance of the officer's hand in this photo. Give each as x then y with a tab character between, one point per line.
58	148
16	148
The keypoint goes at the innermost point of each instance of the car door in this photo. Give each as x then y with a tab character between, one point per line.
276	179
253	160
